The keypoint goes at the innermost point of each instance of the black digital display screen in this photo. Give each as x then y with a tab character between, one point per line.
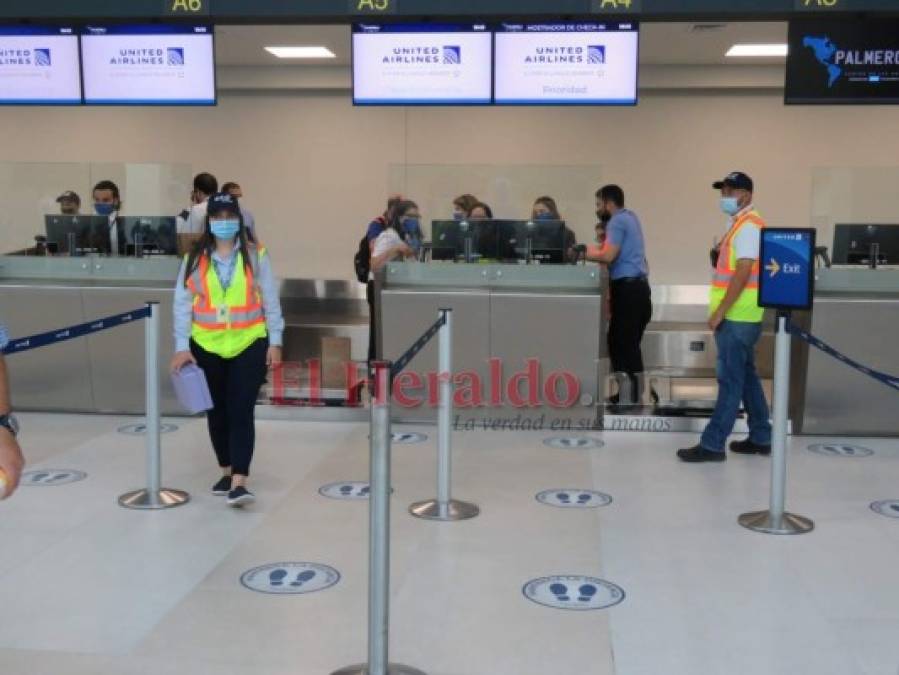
846	61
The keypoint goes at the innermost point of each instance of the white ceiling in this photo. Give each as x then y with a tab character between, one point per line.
660	43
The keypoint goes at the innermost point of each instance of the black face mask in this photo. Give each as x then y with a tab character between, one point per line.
604	216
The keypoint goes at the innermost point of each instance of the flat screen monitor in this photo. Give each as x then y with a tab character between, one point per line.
857	244
161	64
846	61
152	233
437	64
448	240
566	63
39	66
89	233
544	240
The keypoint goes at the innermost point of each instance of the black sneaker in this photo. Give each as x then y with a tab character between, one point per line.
698	454
223	486
747	447
240	496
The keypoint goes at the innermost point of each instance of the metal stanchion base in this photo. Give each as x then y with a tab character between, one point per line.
761	521
144	499
452	510
392	669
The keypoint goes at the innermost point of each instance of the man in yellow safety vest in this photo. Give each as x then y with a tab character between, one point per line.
736	320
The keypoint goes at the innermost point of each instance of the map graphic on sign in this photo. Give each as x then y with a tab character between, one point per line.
825	50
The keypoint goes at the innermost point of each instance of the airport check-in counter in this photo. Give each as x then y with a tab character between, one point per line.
552	313
856	311
513	312
104	372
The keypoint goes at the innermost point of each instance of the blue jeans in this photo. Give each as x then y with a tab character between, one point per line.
737	381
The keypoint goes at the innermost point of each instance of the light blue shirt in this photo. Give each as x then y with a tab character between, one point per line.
224	269
625	231
4	337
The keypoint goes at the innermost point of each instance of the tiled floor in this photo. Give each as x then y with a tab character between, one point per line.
89	588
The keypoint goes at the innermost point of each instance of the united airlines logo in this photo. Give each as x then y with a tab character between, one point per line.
148	56
175	56
25	57
42	57
596	54
452	55
431	55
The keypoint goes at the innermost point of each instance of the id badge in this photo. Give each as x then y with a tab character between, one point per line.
223	314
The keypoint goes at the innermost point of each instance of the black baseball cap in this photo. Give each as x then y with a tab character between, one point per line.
222	201
736	180
68	196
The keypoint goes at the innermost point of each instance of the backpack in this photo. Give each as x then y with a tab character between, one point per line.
362	261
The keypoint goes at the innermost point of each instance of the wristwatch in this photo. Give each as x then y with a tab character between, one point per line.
11	423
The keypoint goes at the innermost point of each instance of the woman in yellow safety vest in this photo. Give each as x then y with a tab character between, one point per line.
228	321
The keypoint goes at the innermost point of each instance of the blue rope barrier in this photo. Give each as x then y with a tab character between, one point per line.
400	364
883	378
61	335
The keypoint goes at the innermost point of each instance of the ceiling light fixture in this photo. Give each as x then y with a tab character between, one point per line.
301	52
770	50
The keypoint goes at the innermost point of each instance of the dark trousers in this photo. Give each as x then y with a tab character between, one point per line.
234	385
631	308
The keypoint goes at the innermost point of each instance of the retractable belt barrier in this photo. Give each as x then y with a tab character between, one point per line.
400	364
153	496
889	380
61	335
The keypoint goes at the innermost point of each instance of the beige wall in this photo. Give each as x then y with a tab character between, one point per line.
315	169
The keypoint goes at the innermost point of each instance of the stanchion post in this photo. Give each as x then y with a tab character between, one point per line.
776	520
154	496
379	535
444	507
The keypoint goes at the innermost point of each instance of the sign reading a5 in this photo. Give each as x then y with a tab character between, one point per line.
373	6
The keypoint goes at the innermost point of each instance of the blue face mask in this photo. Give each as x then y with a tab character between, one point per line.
458	215
411	225
730	205
104	209
225	229
544	216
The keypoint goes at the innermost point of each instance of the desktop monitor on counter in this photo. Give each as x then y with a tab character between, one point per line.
153	234
542	241
88	234
858	244
448	240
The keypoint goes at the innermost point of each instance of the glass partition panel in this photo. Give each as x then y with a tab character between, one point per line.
510	190
29	192
854	209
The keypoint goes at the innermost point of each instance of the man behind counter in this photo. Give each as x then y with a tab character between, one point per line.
624	251
69	203
108	202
